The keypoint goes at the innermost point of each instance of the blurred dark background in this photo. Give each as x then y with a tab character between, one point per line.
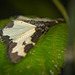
40	8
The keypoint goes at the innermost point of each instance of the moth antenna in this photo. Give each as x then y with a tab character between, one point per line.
60	20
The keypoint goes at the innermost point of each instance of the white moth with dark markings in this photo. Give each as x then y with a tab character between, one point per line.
21	34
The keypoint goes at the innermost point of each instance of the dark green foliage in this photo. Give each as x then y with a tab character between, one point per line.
40	8
46	57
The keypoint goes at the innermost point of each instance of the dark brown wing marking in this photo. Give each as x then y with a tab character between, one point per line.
24	43
10	24
28	47
44	23
36	36
5	39
13	56
1	32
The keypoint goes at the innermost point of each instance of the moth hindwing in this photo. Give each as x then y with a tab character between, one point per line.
21	34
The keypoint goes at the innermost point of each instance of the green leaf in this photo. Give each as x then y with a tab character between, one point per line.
61	8
45	58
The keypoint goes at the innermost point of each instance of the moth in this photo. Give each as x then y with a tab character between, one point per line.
22	33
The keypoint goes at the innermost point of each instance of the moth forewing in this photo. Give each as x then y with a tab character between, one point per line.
21	34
